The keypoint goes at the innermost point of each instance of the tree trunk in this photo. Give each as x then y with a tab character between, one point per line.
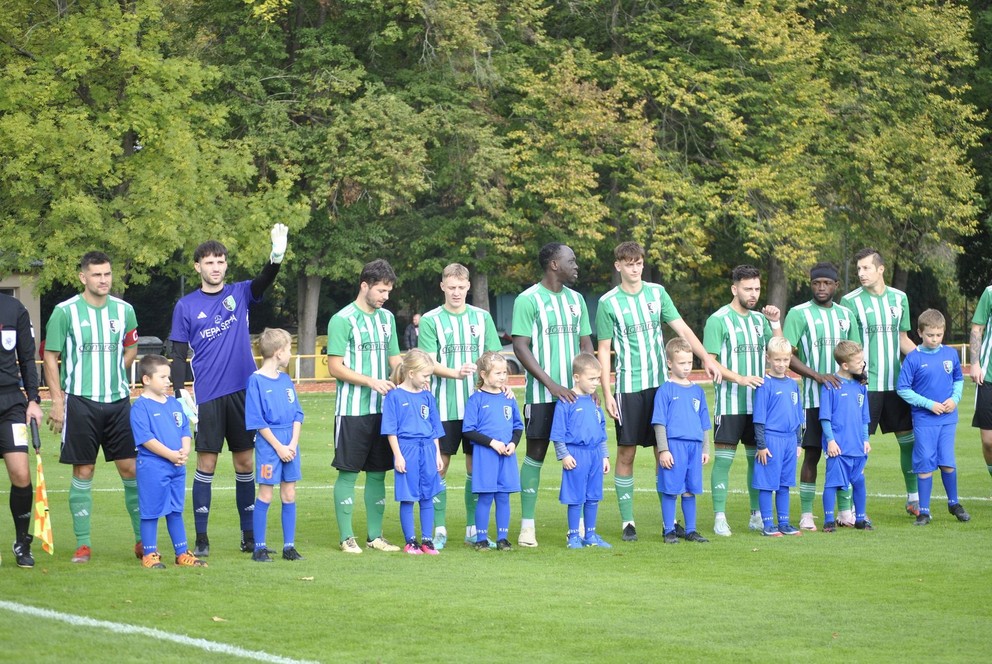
900	278
480	290
777	285
308	296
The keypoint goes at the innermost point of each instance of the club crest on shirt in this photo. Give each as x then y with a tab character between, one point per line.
9	339
384	329
425	411
473	329
843	324
114	325
507	413
795	398
948	366
861	400
695	405
574	310
177	417
895	312
229	303
652	307
759	329
599	416
290	395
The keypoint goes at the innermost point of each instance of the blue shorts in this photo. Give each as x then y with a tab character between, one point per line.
421	479
934	447
161	487
686	476
494	473
584	483
270	469
843	470
780	471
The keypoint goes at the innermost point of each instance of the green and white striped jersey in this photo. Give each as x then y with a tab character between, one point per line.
366	342
91	341
983	316
815	331
633	323
554	322
880	318
452	340
738	342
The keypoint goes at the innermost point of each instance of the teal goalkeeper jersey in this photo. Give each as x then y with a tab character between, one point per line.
983	316
554	322
634	324
738	342
452	340
815	332
91	341
366	342
881	319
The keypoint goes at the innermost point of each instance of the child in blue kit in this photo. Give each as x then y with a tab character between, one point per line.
162	436
844	416
411	422
492	422
681	424
931	382
778	422
273	410
578	432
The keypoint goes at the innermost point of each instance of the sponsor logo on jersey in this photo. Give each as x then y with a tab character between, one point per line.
459	348
749	348
98	348
425	411
114	325
874	329
373	346
562	329
507	413
220	325
643	327
9	339
948	366
290	395
177	417
229	303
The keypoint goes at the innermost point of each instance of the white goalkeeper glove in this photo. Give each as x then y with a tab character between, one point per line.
279	240
189	406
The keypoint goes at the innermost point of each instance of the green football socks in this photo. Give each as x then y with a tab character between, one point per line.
375	502
807	494
720	478
906	441
441	505
530	481
625	496
344	502
471	500
81	507
751	453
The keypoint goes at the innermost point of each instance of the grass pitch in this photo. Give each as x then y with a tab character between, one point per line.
897	594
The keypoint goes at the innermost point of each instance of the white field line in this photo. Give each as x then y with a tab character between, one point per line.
123	628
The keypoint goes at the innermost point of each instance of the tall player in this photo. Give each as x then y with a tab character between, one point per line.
981	372
628	321
882	314
455	335
213	322
736	336
814	329
96	336
550	327
362	349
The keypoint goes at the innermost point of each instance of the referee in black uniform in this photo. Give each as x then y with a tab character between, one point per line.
16	367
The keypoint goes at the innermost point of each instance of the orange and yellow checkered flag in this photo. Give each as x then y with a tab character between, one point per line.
42	518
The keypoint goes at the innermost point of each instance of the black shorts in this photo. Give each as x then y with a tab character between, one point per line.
452	438
889	411
634	426
220	418
88	425
537	420
733	429
359	444
14	436
983	407
813	434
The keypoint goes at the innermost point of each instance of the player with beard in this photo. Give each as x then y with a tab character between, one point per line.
735	335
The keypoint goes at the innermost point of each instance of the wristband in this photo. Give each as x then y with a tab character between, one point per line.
775	325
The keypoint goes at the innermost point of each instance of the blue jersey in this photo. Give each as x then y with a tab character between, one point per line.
164	422
272	403
777	405
215	326
492	415
581	423
931	375
682	410
411	415
846	408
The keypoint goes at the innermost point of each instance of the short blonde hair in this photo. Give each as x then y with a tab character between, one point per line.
414	360
486	362
931	319
272	340
778	345
455	270
845	350
677	345
585	362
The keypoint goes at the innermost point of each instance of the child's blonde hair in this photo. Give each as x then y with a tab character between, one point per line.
677	345
778	345
272	340
585	362
930	319
414	360
485	364
845	350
